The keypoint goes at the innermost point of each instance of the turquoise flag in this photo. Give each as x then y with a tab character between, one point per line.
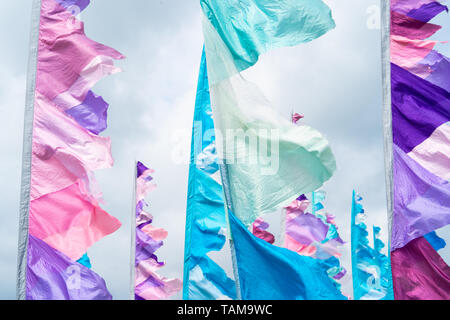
269	160
267	272
250	28
205	216
371	269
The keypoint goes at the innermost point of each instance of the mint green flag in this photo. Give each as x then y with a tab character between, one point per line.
269	160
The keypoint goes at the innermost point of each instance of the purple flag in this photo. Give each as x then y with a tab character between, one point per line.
53	276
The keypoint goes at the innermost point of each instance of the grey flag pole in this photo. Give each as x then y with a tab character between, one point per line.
27	151
133	235
387	109
229	207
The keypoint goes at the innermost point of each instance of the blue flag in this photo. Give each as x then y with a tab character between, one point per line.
267	272
205	215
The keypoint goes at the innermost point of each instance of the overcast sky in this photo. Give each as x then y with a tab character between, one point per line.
335	81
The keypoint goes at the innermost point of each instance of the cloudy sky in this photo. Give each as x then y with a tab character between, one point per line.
334	81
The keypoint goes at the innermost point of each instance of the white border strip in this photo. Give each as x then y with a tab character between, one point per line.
27	151
387	108
133	236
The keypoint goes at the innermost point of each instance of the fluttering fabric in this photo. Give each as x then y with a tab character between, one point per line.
419	272
250	28
371	269
421	164
266	161
53	276
206	222
269	161
149	285
65	218
436	242
267	272
259	229
314	234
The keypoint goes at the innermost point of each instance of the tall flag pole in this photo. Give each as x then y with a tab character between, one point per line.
148	284
134	203
417	105
26	157
60	214
300	158
371	270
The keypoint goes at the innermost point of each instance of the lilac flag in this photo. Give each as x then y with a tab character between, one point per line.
53	276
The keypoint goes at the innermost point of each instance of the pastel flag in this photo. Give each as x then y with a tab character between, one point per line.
296	117
206	225
148	283
70	221
406	53
74	5
262	25
268	160
53	276
60	214
66	54
411	28
371	269
260	230
315	234
419	167
63	151
427	11
406	6
440	73
267	272
419	272
311	234
91	114
420	112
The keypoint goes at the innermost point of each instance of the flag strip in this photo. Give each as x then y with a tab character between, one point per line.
420	113
206	227
60	200
148	284
27	152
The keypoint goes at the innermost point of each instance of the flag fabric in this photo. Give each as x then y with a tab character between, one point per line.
206	223
314	234
61	217
269	160
268	272
371	269
419	272
51	275
266	161
260	230
148	284
419	121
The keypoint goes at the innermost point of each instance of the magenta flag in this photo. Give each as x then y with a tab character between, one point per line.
419	272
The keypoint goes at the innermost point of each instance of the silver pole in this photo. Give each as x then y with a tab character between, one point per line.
27	152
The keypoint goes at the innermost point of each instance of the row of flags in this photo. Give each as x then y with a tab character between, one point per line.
246	161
